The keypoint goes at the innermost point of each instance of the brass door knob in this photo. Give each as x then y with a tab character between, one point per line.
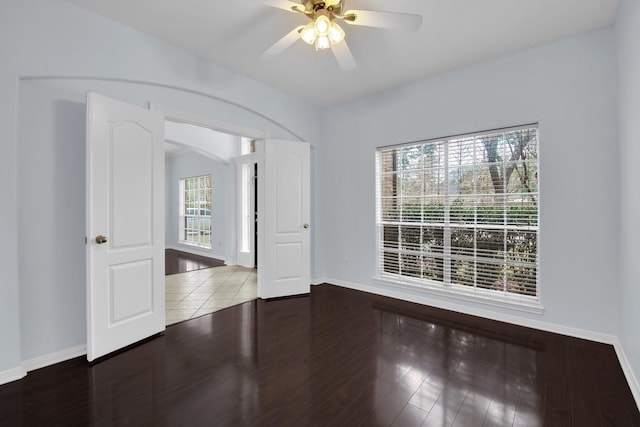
101	239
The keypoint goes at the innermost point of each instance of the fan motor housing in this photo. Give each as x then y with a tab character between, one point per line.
314	5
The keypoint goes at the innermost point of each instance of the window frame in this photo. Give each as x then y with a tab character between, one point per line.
501	298
182	215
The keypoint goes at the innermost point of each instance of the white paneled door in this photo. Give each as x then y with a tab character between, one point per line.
125	224
284	227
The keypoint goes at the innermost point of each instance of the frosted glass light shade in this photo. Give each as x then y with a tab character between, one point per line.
336	34
308	33
322	42
322	25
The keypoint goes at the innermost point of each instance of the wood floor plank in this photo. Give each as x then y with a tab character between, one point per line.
176	261
335	358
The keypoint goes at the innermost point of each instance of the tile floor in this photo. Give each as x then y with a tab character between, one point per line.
200	292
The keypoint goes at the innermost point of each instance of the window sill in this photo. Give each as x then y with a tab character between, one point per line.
515	302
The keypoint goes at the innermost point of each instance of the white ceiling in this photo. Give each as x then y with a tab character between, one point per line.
454	33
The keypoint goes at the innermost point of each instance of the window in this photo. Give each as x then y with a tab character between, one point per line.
195	211
460	215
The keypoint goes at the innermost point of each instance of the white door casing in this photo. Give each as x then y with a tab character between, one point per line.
284	219
245	208
125	203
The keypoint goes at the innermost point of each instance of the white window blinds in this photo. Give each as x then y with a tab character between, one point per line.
461	212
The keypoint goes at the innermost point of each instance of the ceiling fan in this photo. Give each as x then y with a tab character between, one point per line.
323	31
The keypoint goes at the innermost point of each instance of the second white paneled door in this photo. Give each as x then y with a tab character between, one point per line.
284	219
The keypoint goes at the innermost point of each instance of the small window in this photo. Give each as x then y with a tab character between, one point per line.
195	211
460	215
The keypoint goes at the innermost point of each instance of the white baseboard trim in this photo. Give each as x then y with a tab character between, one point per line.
515	320
11	375
320	281
628	372
487	314
41	362
53	358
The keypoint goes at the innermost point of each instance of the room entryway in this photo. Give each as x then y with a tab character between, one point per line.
197	284
132	308
199	292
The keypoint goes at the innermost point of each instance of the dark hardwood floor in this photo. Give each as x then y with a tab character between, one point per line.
181	262
334	358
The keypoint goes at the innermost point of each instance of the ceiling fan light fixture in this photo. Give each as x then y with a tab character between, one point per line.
322	32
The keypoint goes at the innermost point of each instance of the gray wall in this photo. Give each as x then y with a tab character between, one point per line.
52	54
569	88
223	221
628	31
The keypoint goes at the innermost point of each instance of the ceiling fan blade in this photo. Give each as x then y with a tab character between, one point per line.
343	55
279	46
388	20
283	4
